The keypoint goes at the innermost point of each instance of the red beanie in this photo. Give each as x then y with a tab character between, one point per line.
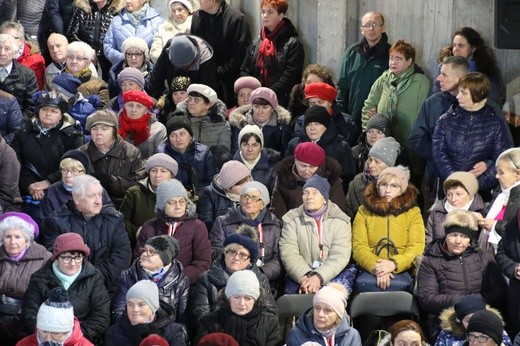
138	96
217	339
320	90
310	153
154	340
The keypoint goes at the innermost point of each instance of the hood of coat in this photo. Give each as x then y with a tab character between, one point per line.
400	204
331	170
217	112
114	6
449	322
242	116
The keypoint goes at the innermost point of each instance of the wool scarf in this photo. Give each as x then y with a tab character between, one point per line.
397	85
267	51
136	16
138	128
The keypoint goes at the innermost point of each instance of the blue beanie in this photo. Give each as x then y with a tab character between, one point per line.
319	183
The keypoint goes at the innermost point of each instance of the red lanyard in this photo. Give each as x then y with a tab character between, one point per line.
261	235
320	237
329	341
172	228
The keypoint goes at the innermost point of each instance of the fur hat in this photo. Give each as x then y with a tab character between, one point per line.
162	160
182	51
379	122
147	291
50	99
400	172
132	74
247	236
204	90
217	339
66	84
264	93
243	282
334	296
139	96
180	83
167	246
104	116
319	183
487	322
466	179
469	304
258	186
310	153
317	114
246	82
386	149
136	42
251	129
178	122
56	314
320	90
185	3
69	242
79	156
231	173
167	190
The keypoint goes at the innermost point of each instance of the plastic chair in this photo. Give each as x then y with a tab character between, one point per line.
384	304
290	308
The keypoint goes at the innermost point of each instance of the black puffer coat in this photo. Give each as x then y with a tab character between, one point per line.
87	294
214	203
173	290
265	169
444	278
22	84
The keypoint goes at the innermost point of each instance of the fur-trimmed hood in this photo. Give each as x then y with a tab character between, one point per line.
400	204
217	112
243	115
331	170
114	6
449	322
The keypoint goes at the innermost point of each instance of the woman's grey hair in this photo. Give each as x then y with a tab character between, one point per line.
81	183
461	218
511	157
83	47
14	222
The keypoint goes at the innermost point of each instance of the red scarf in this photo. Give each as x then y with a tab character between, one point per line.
137	127
267	52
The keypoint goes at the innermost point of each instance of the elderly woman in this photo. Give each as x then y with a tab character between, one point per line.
382	250
138	125
260	161
128	79
310	258
168	102
382	154
276	57
176	216
139	203
506	204
461	193
243	314
157	263
179	21
326	319
224	192
137	19
471	135
196	165
485	328
240	252
41	142
79	57
100	225
252	211
20	257
265	112
454	266
405	332
293	171
136	55
455	320
144	315
243	87
115	162
70	270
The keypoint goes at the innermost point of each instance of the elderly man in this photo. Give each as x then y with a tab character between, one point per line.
28	53
363	63
101	226
15	78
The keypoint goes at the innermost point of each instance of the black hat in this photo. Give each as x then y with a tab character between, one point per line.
178	122
167	246
317	114
487	322
78	156
53	100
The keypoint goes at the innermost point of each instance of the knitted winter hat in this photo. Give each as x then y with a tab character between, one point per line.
154	340
379	122
66	84
31	224
231	173
135	42
243	282
319	183
132	74
50	99
167	190
79	156
246	82
182	51
317	114
333	297
386	149
320	90
69	242
104	116
251	129
258	186
466	179
204	90
139	96
469	304
400	173
162	160
310	153
217	339
185	3
247	237
167	246
147	291
178	122
180	83
56	314
487	322
264	93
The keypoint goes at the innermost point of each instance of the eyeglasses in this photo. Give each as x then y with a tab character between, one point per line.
481	339
246	197
389	186
174	203
76	58
371	26
67	259
71	171
326	310
241	255
148	252
131	55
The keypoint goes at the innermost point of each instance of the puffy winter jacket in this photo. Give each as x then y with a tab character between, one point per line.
265	169
32	58
22	84
213	203
76	338
11	117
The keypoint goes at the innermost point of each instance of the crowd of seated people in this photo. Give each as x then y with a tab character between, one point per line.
169	178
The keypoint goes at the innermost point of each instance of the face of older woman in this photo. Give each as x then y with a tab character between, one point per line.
237	258
150	259
52	337
102	135
325	318
241	304
457	196
127	85
457	243
175	207
179	12
243	96
180	139
197	106
91	202
398	63
389	190
134	5
313	200
507	175
407	338
262	113
139	312
15	242
375	166
77	62
251	203
305	170
158	175
179	96
134	58
49	116
68	173
250	149
315	130
69	263
464	98
270	17
135	110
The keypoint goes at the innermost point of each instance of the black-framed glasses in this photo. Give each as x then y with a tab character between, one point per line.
481	339
148	252
67	259
71	171
241	255
245	197
131	55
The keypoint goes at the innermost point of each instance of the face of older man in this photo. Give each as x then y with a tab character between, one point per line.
14	33
91	202
57	45
7	51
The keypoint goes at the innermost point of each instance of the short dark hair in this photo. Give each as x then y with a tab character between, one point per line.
477	83
404	48
245	138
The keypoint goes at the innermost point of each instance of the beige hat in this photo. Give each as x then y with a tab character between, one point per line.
204	90
466	179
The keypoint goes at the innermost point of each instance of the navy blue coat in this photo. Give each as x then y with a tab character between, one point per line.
265	169
11	117
214	202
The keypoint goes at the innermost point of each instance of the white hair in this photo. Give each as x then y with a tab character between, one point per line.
14	222
83	47
8	38
81	183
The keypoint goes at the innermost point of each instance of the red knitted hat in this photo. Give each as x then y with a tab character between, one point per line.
310	153
69	242
154	340
138	96
320	90
217	339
